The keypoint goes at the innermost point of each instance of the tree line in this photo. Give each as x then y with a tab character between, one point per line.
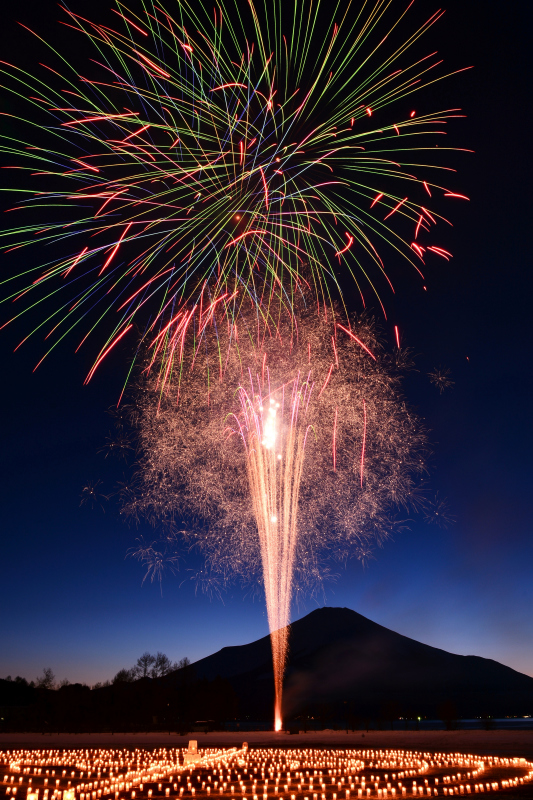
146	666
172	701
150	666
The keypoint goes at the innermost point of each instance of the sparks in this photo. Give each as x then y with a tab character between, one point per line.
397	335
363	446
356	339
350	242
106	352
115	249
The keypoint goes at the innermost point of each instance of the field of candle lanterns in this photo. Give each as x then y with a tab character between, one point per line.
258	774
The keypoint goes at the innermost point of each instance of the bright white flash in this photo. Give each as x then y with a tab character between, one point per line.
269	426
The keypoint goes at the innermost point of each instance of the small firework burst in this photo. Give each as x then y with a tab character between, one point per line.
92	496
441	378
157	556
118	445
436	512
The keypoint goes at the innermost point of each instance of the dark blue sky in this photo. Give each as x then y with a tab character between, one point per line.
70	600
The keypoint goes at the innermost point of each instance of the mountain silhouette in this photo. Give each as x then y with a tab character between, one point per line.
343	664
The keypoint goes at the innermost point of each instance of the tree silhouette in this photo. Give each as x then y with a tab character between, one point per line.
46	680
162	665
143	665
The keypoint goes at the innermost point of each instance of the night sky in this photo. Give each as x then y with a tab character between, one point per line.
69	597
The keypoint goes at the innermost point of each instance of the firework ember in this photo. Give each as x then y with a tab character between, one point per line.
202	153
286	445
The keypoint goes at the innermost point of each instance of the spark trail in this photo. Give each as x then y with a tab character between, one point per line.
274	465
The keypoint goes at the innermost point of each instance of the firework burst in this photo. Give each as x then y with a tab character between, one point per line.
207	157
274	451
437	512
91	495
440	377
